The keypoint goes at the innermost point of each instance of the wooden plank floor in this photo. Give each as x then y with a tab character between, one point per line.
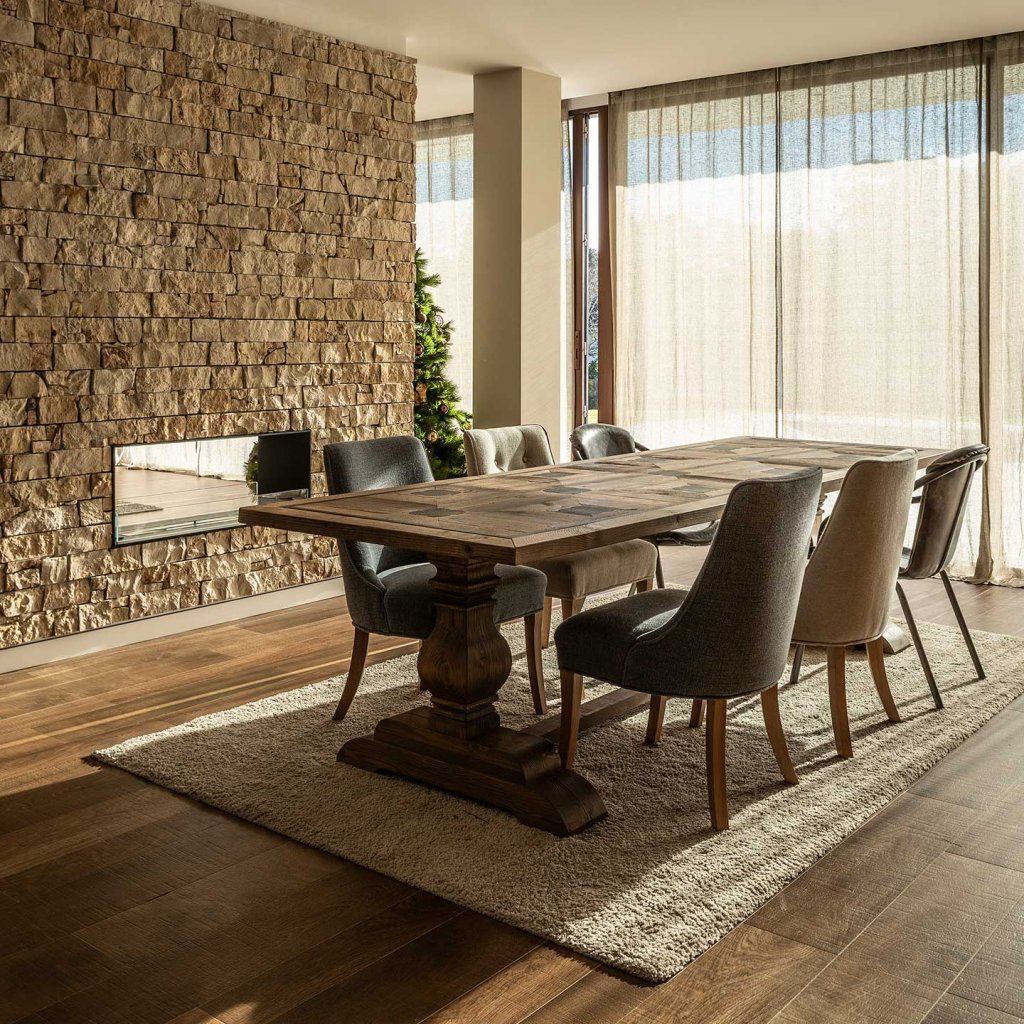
121	902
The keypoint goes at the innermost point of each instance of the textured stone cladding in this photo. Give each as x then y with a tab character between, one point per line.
206	228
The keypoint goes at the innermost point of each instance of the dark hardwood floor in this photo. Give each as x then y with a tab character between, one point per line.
121	902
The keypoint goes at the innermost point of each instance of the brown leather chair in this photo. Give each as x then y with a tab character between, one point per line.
600	440
850	576
571	578
944	488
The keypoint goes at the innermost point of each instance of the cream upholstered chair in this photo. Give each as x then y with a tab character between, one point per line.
849	580
571	578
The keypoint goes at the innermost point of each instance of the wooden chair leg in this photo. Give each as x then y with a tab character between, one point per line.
798	660
837	701
572	695
659	572
535	664
642	586
545	623
714	753
696	714
655	721
777	738
571	606
360	645
876	662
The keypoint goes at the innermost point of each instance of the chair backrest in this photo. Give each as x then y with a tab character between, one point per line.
370	466
597	440
849	582
945	486
732	633
503	449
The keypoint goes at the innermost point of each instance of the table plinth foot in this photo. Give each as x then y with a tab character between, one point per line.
894	639
516	771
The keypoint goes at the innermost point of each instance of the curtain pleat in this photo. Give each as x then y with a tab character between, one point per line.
1002	543
832	251
444	231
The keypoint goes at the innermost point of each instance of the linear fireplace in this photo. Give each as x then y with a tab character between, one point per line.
177	488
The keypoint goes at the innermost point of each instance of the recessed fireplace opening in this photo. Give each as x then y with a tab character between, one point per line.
178	488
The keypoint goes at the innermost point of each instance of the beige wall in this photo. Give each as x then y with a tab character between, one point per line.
518	369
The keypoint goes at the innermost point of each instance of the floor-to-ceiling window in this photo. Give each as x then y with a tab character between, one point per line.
693	171
831	250
593	370
444	231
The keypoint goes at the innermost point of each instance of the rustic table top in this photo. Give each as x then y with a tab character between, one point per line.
539	513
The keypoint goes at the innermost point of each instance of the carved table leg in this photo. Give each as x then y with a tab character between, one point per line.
457	743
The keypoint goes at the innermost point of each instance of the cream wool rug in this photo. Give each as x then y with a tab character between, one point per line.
649	888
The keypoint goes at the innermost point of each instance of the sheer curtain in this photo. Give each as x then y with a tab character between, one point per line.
444	230
879	196
692	193
1002	548
881	170
833	250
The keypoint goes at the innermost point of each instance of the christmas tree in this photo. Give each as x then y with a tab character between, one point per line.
437	418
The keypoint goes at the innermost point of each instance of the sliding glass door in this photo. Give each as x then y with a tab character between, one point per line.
593	357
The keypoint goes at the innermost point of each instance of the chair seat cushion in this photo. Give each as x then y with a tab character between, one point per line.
590	572
595	642
409	598
692	536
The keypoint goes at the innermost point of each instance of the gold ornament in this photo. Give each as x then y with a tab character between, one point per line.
432	437
421	393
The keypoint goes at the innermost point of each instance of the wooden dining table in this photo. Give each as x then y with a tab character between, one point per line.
466	527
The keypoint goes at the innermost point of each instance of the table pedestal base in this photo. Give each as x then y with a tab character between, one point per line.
518	772
894	639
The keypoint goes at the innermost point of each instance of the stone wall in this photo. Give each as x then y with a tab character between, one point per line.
205	229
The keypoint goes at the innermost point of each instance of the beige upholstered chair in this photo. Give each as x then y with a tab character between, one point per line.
849	580
571	578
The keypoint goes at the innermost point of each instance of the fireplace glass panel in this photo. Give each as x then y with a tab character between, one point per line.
184	487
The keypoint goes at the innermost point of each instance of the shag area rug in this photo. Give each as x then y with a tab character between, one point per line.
649	888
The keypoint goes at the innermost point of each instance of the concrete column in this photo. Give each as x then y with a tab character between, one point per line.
519	368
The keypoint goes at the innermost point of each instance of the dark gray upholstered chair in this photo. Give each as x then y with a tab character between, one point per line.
728	636
571	578
387	589
599	440
848	584
944	488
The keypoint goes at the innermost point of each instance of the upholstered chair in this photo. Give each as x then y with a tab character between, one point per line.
941	494
571	578
728	636
850	576
387	589
599	440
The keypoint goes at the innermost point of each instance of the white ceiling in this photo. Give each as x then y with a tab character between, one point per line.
596	46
